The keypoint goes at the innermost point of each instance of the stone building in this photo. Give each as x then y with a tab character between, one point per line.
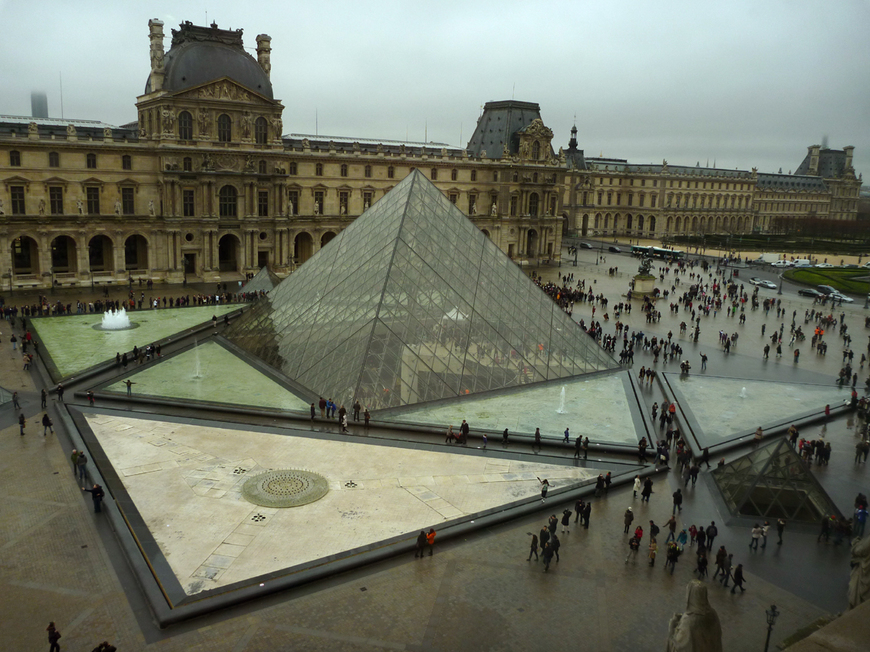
206	184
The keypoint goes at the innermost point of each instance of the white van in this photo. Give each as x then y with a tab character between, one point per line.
803	262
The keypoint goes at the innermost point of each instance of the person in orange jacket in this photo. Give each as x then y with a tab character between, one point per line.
430	539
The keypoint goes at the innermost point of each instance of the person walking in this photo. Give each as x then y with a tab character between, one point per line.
15	404
47	425
567	436
356	410
366	417
671	556
587	510
420	546
81	465
578	447
701	568
627	518
637	485
678	501
552	525
22	422
313	411
860	520
756	535
738	578
53	638
43	396
547	554
652	551
534	548
555	544
721	556
537	443
672	528
59	392
780	527
545	536
764	530
578	510
97	494
726	570
712	533
647	490
566	521
701	538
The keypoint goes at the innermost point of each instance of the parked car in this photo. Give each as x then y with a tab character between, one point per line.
841	298
585	245
614	249
824	265
781	263
810	292
826	289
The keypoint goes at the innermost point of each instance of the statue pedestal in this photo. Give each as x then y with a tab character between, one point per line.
644	286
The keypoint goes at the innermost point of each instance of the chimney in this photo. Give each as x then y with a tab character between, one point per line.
814	160
38	105
849	149
264	51
155	29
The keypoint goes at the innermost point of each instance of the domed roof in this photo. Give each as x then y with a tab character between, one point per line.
202	54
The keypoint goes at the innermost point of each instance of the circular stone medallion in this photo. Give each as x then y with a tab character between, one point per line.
285	488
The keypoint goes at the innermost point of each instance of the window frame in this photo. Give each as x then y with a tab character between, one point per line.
91	161
55	200
188	202
262	203
126	162
224	128
261	131
128	200
92	200
17	200
185	126
228	206
54	159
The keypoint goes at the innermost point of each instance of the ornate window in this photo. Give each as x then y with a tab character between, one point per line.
187	202
228	201
16	194
55	200
187	164
533	204
128	204
514	202
15	158
343	197
262	167
53	160
318	201
263	203
224	128
127	162
91	161
185	126
93	196
536	150
260	130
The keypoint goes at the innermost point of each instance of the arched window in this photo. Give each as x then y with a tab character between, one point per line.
391	172
225	128
91	161
127	162
262	167
185	126
344	169
368	172
434	174
454	174
536	150
228	201
187	164
260	131
15	158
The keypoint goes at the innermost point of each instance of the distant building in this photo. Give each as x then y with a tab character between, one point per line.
206	184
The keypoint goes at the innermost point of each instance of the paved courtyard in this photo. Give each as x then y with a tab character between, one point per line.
61	562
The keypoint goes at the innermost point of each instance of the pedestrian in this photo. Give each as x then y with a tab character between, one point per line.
464	429
60	392
366	417
81	465
544	536
15	403
647	490
672	528
90	396
313	413
826	528
566	521
633	547
545	487
343	421
721	556
671	556
22	422
547	553
627	518
652	551
712	532
756	535
484	438
537	443
567	436
678	501
322	404
356	410
682	537
430	540
421	544
780	526
738	578
638	532
599	485
129	383
587	510
449	436
578	510
578	446
47	425
555	544
636	485
726	570
552	524
53	638
693	532
860	520
43	398
701	568
701	538
653	530
505	437
97	494
586	449
534	549
764	530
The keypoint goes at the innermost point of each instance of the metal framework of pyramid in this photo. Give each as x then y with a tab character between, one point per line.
413	303
263	281
773	482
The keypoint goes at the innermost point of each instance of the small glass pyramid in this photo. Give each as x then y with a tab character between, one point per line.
413	303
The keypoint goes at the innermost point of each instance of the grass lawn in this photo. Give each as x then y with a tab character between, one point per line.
848	281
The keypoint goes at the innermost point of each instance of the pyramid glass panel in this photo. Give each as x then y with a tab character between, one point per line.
773	482
413	303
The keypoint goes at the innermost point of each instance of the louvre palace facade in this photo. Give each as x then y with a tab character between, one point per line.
207	185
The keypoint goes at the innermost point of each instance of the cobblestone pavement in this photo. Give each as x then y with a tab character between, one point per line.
60	562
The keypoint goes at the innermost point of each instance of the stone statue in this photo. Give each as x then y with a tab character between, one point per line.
291	209
80	206
107	133
472	210
202	118
277	125
493	210
207	163
2	212
316	208
70	131
859	578
505	152
117	208
247	120
33	129
42	207
168	120
249	163
366	205
344	210
151	207
697	629
645	265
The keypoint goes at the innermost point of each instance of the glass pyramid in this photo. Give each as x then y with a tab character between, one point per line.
264	281
773	482
413	303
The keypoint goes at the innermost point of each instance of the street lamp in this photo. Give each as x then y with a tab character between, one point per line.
772	615
779	291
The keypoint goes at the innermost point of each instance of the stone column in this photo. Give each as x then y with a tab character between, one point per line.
155	28
264	51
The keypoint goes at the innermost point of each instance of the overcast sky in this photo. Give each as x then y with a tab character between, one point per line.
744	84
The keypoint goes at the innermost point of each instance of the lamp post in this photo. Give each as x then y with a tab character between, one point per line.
779	291
772	615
